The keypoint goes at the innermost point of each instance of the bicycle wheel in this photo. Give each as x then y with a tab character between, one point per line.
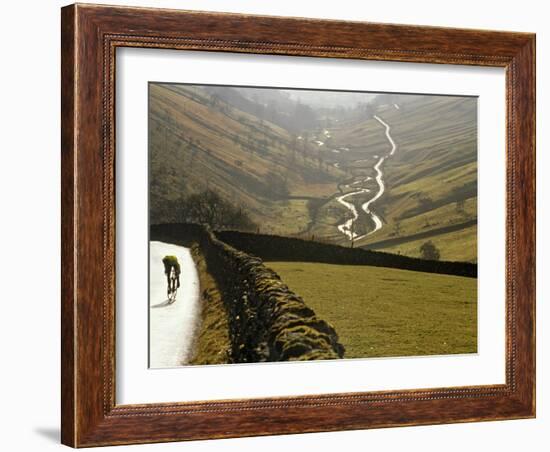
172	296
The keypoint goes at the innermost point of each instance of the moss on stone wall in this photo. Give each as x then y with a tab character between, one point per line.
266	320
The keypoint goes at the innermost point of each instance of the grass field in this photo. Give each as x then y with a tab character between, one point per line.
458	245
381	312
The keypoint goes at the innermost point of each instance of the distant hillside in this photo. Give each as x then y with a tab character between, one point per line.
431	180
200	142
271	105
285	165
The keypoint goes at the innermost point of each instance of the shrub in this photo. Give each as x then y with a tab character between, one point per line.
429	251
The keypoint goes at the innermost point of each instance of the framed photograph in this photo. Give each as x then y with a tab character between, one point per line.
282	225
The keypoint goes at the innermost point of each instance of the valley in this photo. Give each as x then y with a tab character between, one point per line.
312	225
376	175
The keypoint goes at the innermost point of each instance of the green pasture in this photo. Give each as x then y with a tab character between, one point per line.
380	312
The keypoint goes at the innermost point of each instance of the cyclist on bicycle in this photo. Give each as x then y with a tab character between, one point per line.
172	271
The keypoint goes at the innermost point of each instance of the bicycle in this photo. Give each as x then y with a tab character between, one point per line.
172	271
173	285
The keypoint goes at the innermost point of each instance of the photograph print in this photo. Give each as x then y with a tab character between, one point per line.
293	225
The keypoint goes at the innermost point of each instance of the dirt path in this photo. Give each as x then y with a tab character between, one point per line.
172	327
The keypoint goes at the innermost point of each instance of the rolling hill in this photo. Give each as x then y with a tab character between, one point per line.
267	155
431	179
198	142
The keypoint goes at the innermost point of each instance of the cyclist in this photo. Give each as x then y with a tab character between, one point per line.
172	271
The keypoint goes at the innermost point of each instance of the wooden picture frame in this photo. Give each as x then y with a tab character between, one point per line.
90	36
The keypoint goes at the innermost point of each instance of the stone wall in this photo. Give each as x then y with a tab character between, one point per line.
277	248
267	321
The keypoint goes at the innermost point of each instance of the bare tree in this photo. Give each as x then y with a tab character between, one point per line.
210	209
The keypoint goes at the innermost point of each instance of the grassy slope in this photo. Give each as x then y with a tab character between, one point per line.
232	151
436	159
459	244
213	344
195	145
386	312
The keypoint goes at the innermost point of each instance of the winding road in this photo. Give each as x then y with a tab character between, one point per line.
172	327
346	227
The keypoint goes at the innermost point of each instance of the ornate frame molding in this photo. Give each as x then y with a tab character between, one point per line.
90	37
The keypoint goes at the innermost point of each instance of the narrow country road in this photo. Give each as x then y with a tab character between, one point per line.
172	327
346	227
379	179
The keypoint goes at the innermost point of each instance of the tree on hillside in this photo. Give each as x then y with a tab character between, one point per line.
210	209
426	203
429	251
397	228
303	117
277	185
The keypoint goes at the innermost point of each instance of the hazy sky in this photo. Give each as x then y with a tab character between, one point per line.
329	98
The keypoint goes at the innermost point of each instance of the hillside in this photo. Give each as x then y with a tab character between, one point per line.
199	142
315	173
430	180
